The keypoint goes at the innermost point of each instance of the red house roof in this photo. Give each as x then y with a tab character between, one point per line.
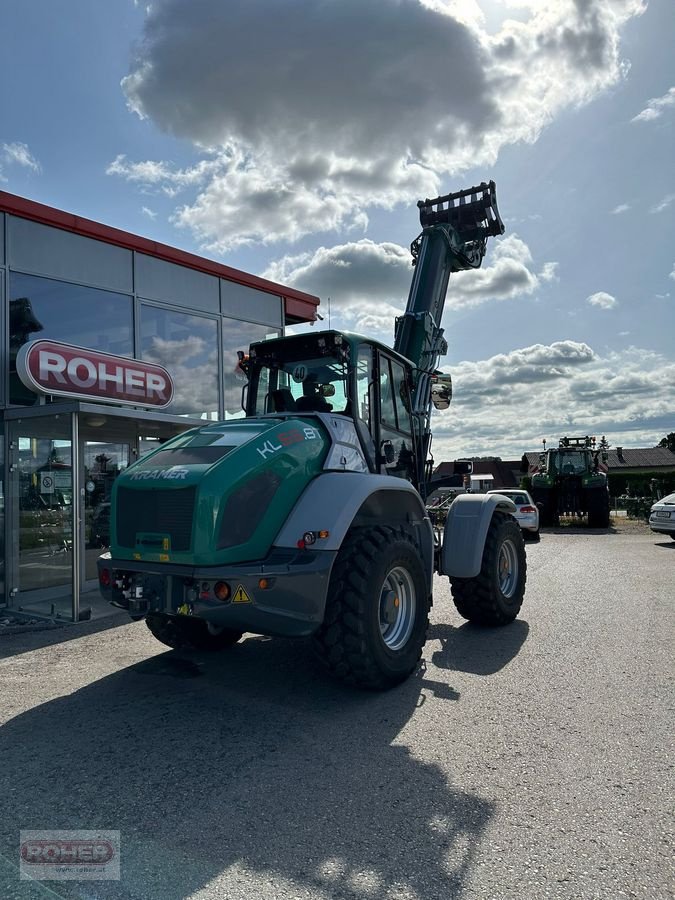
298	305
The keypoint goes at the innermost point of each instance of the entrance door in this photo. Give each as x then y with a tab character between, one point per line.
102	462
58	501
40	457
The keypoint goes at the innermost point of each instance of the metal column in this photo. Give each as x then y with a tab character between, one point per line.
76	512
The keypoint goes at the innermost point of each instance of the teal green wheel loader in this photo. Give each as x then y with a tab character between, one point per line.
307	517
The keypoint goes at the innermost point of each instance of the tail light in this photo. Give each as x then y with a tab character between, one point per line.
528	509
105	578
221	590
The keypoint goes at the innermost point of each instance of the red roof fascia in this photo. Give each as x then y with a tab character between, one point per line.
297	304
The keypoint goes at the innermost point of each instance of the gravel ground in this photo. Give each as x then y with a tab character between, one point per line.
532	762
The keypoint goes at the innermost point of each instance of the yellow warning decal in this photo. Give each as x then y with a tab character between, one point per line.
164	557
165	544
240	595
137	555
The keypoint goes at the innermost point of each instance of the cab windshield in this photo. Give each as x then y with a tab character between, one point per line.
306	384
573	462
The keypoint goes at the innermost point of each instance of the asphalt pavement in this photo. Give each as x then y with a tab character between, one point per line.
533	761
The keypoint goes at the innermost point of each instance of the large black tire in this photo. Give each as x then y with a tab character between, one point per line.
597	503
186	633
495	595
377	609
548	512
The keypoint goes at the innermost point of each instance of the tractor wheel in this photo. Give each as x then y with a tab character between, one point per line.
185	633
495	595
597	503
377	609
547	512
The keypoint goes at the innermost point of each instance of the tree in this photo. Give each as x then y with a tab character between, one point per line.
668	441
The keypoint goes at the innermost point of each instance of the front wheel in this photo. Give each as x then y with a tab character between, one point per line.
187	633
377	609
495	595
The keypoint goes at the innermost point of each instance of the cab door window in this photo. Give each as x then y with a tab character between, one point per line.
364	378
394	419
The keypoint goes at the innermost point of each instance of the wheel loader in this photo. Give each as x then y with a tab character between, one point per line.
306	517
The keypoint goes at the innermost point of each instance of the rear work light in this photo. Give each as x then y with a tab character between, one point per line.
221	590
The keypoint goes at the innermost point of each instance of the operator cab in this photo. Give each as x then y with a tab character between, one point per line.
342	375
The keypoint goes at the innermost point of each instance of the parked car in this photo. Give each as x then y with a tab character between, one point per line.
526	512
662	516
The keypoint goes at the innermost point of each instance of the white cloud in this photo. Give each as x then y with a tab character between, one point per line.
602	300
17	153
672	274
663	205
506	404
621	208
163	175
427	92
151	214
654	109
368	283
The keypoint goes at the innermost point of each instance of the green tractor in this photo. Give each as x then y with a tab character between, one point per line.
307	516
572	481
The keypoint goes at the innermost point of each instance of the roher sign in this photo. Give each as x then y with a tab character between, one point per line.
50	367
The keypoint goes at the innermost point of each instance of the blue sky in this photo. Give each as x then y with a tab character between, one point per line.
292	139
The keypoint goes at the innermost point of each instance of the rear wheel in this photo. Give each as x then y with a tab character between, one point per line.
186	633
495	595
377	609
597	500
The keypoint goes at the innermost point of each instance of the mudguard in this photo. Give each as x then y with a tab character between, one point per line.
335	501
465	532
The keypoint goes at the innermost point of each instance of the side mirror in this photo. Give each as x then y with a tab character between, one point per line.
388	453
441	390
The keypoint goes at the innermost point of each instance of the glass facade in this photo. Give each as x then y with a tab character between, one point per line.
43	308
237	336
57	468
187	346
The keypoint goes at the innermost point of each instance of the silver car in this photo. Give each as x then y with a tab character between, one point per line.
526	512
662	516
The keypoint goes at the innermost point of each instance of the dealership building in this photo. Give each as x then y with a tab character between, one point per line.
111	343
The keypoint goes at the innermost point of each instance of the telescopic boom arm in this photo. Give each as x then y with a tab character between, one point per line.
455	230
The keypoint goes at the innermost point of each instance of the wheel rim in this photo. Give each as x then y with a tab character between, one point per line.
398	605
508	569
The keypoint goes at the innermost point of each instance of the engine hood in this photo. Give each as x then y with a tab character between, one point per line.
217	494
